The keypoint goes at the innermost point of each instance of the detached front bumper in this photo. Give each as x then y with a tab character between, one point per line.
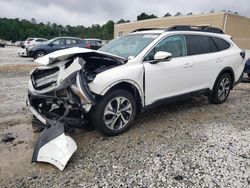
60	99
53	146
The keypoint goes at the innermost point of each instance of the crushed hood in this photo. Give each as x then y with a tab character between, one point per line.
62	55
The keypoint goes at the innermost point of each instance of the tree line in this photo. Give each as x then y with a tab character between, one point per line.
16	29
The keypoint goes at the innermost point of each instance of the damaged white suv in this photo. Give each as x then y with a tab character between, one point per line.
110	86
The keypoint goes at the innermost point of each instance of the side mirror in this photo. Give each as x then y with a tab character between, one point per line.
161	55
51	44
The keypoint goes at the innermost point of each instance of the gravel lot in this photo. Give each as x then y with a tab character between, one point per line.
188	144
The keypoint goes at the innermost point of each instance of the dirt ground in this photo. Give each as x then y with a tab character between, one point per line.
188	144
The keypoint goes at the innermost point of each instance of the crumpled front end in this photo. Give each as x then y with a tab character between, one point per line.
60	98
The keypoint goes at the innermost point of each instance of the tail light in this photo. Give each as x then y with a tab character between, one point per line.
87	45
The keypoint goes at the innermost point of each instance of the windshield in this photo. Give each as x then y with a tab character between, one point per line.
129	45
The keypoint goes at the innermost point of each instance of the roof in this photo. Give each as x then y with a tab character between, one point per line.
177	28
68	38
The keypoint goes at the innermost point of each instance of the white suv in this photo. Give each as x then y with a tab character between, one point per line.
110	86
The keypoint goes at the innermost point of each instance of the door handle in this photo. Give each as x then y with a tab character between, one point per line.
187	65
219	60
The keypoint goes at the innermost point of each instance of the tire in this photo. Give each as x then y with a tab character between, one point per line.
221	89
111	119
39	54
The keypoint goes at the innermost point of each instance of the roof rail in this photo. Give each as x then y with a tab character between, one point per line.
147	29
195	28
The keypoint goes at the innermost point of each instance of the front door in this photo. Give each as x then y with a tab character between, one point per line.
168	78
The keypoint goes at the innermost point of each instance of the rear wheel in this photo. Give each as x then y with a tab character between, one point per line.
114	113
221	89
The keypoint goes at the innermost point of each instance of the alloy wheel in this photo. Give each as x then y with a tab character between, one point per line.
224	88
117	113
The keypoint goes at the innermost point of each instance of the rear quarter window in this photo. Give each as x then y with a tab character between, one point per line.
199	44
221	44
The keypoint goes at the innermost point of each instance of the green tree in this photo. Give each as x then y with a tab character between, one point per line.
144	16
122	21
178	14
167	15
15	29
108	30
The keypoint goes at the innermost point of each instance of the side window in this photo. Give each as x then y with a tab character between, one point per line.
176	45
71	41
59	42
199	44
221	44
41	40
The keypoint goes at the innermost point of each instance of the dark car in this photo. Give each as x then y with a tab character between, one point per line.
93	43
55	44
247	68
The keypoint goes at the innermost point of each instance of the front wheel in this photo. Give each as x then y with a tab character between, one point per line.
221	89
39	54
114	113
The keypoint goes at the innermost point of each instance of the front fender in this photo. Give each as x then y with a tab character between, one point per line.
130	73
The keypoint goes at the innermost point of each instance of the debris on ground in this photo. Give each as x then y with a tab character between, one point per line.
9	137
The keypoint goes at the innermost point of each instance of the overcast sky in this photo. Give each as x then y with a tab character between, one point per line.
88	12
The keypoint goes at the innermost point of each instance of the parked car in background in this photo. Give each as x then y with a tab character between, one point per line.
34	42
2	43
55	44
18	43
28	44
27	41
247	68
93	43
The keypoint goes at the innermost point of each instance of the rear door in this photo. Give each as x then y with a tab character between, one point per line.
205	59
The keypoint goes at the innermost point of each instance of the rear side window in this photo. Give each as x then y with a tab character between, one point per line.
220	43
199	44
40	40
71	41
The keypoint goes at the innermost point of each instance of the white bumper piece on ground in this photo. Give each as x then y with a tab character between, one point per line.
57	151
54	147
